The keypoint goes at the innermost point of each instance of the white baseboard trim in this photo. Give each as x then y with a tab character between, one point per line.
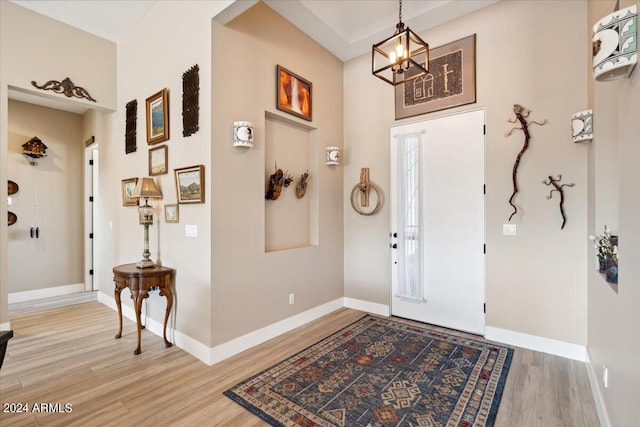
532	342
44	293
185	342
5	326
237	345
369	307
598	397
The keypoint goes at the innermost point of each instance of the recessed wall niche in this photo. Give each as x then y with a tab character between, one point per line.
290	222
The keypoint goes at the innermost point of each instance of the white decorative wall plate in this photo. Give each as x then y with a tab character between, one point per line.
615	45
582	126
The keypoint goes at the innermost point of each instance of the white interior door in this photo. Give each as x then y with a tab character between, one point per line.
437	221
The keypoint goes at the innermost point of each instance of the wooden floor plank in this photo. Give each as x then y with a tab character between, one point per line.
69	355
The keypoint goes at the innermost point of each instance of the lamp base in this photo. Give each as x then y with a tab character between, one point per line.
145	263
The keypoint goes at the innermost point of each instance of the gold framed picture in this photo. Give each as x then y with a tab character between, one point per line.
190	184
128	186
158	117
158	160
171	213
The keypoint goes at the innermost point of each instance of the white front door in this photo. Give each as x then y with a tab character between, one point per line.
437	221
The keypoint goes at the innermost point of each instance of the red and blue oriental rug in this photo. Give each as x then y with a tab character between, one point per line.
381	372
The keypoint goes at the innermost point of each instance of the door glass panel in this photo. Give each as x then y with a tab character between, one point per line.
410	248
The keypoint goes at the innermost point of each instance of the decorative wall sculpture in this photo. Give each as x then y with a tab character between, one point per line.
190	101
131	127
582	126
363	189
66	87
559	188
301	188
615	45
521	116
277	180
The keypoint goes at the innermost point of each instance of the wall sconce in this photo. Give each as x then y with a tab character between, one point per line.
582	126
35	149
333	156
146	187
243	134
615	45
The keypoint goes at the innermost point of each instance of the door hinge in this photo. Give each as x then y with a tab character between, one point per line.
484	129
484	308
91	272
484	188
484	248
91	162
91	235
91	198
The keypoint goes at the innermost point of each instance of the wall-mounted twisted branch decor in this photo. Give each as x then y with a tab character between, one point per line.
559	188
67	87
521	116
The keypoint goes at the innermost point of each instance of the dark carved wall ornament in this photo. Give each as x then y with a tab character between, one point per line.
67	87
190	106
131	126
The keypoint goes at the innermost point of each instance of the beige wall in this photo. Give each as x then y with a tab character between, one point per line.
251	287
613	315
33	47
536	281
50	198
170	39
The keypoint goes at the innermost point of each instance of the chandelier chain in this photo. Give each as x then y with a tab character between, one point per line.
400	12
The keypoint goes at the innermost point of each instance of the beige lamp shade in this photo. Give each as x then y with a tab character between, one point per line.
146	188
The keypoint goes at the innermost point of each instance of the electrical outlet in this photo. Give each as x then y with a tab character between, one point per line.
605	376
292	299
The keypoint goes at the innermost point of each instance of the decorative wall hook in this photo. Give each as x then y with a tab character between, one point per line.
521	116
66	87
559	188
363	188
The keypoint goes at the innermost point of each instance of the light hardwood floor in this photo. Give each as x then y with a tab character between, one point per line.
69	355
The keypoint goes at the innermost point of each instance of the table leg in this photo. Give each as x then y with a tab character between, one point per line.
116	294
138	297
166	291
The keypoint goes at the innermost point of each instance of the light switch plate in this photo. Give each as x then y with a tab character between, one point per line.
509	229
191	230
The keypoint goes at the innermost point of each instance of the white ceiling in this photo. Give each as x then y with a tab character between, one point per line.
347	28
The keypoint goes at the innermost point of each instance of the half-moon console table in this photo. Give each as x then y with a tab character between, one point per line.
140	281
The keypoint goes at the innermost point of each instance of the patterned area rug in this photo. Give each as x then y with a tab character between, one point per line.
380	372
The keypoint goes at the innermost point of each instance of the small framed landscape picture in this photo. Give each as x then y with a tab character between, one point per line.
127	190
158	160
158	117
171	213
190	184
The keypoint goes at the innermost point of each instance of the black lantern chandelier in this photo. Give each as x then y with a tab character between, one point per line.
402	57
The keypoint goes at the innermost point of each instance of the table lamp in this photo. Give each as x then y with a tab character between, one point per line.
146	188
